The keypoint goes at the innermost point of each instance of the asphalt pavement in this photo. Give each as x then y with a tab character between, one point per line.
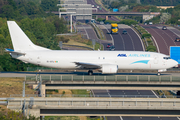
131	42
92	2
163	39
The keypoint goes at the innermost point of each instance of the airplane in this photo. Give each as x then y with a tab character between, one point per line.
108	62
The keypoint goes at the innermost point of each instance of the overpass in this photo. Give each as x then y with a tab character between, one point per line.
122	13
113	82
97	106
143	14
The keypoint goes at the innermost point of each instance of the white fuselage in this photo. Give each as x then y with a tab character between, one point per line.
123	59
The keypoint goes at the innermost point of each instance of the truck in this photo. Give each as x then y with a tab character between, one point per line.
114	28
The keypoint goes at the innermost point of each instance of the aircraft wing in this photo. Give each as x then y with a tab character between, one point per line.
12	51
87	65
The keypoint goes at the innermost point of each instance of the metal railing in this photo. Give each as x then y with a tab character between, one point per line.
111	102
97	96
110	78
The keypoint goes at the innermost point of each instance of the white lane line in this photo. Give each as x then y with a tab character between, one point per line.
86	33
154	93
120	118
93	93
156	44
110	35
170	37
108	93
178	118
174	32
132	41
161	37
122	40
139	39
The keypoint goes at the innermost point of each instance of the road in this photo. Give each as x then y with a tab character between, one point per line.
163	38
92	2
129	42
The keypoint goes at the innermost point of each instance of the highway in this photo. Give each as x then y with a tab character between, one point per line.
92	2
163	38
131	42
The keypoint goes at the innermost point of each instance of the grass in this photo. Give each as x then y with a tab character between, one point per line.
67	93
79	41
10	86
70	118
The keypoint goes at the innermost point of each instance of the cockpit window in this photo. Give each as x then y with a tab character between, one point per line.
166	58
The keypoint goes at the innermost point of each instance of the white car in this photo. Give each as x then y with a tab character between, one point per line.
150	23
101	23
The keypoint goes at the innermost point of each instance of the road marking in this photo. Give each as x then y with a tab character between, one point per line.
120	118
108	93
132	41
174	33
161	37
122	41
93	93
140	39
86	33
154	94
110	35
156	44
170	37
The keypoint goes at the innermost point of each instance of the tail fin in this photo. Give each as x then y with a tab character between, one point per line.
20	40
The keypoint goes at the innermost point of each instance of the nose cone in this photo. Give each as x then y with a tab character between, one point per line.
174	63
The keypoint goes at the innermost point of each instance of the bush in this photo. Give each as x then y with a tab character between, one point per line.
1	69
63	39
110	21
100	19
146	35
151	48
128	22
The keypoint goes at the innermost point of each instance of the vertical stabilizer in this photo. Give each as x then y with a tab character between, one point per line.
20	40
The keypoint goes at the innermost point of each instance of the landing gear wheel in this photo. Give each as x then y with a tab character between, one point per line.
158	74
90	72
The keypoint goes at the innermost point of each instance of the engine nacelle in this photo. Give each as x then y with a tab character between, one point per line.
109	69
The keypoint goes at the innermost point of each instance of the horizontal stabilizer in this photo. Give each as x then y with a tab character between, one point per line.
12	51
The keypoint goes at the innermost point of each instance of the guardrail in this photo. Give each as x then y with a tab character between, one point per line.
113	78
121	103
104	96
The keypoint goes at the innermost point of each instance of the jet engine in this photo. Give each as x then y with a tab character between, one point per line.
109	69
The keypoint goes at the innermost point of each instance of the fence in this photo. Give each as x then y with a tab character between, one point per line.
110	78
110	102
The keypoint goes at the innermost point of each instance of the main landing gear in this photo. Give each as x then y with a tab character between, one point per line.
90	72
158	74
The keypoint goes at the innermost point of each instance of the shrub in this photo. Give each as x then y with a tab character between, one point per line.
146	35
151	48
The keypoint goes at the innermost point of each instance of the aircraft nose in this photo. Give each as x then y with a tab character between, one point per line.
175	63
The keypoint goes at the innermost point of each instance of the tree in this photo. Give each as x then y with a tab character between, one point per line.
49	5
9	12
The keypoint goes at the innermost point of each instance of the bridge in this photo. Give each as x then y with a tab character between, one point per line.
143	14
122	13
97	106
116	82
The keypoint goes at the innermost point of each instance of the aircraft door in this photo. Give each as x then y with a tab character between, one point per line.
38	59
155	59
